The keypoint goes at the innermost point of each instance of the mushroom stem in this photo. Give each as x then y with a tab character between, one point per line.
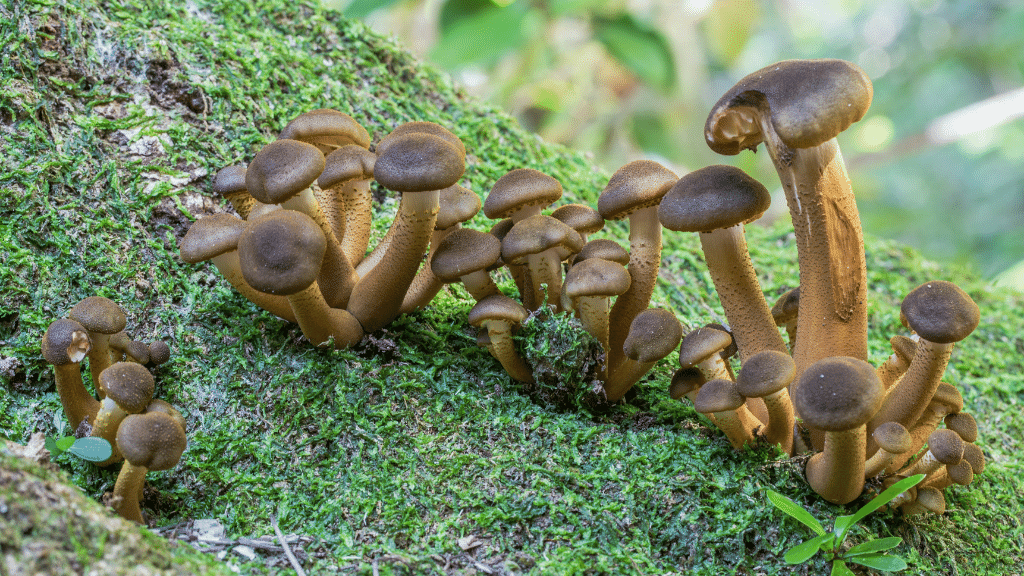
625	375
644	259
593	313
78	404
425	285
837	473
908	399
546	270
779	429
504	350
480	285
750	318
130	482
377	297
319	322
228	266
738	425
357	201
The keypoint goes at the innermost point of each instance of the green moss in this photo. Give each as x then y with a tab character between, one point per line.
115	115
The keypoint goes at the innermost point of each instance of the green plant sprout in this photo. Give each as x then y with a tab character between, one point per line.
89	448
870	553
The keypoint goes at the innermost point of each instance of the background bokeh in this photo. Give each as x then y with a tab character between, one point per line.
938	162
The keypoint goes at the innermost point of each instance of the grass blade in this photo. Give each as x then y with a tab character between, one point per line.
796	511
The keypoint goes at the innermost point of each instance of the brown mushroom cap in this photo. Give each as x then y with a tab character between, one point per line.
430	128
282	169
153	440
536	234
684	381
65	342
159	352
129	385
940	312
350	162
281	252
893	437
230	180
456	205
327	129
701	343
931	499
809	102
838	393
718	395
948	397
211	236
418	162
765	373
974	455
786	307
946	446
904	347
596	277
497	307
99	314
604	249
711	198
653	334
521	188
964	425
462	252
638	184
579	217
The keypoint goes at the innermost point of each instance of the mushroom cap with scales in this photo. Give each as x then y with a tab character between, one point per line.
765	373
536	234
99	315
701	344
281	252
463	252
128	384
65	342
282	169
653	334
211	236
605	249
711	198
327	129
457	205
579	217
419	162
638	184
940	312
153	440
350	162
521	188
422	127
838	393
596	277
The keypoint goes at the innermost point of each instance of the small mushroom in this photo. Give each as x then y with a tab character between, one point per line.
947	400
123	348
785	312
498	314
102	318
686	382
928	499
327	129
159	352
230	183
521	193
64	345
152	441
590	285
129	389
945	447
719	400
542	243
346	179
767	375
704	348
581	218
893	439
654	334
465	255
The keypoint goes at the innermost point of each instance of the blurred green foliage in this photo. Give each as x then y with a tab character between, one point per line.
636	79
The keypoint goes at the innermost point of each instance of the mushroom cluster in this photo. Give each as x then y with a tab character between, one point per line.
861	421
298	247
147	433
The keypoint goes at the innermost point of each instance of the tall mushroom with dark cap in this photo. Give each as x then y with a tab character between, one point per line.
280	253
465	255
542	243
215	238
797	108
941	314
498	314
767	375
717	201
151	441
418	165
230	183
281	173
346	176
590	286
327	129
634	192
653	334
838	395
64	345
102	318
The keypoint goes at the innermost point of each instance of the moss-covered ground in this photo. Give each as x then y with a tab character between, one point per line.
113	117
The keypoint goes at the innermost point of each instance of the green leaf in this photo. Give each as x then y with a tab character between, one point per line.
477	32
796	511
64	443
51	445
843	523
638	47
874	546
91	449
880	562
806	550
839	569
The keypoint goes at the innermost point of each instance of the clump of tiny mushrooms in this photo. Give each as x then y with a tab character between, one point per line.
146	433
298	248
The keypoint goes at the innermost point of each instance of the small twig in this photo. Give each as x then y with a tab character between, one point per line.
287	549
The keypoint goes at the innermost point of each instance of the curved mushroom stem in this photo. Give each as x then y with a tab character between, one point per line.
738	425
425	285
319	322
878	462
750	318
78	404
337	276
228	266
593	313
480	285
377	297
504	350
627	373
129	485
99	360
891	370
779	427
357	220
644	259
837	473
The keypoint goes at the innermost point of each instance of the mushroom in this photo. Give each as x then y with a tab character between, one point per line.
281	173
838	395
893	439
280	253
346	176
498	313
159	352
654	334
64	345
152	441
581	218
418	165
797	108
896	364
230	183
604	249
928	499
129	389
123	348
704	348
215	238
947	400
717	201
767	375
465	255
945	447
719	400
634	192
327	129
590	285
102	318
686	382
941	314
963	424
542	243
785	313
